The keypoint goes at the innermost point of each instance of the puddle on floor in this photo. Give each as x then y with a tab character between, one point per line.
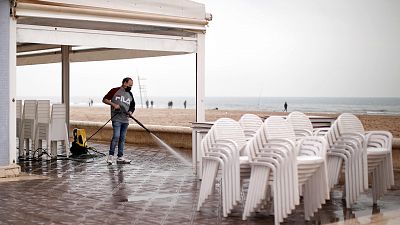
147	197
24	177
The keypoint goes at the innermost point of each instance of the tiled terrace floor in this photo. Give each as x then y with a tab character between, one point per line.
154	189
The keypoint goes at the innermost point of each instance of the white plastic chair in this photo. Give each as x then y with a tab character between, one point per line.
27	136
377	152
42	124
250	124
58	129
302	125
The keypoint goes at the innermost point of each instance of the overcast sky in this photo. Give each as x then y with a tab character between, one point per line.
299	48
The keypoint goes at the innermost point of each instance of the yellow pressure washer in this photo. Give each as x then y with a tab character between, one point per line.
79	145
80	137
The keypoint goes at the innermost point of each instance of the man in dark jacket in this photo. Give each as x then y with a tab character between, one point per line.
122	105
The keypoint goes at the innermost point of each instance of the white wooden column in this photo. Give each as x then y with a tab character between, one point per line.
200	106
200	78
65	63
7	85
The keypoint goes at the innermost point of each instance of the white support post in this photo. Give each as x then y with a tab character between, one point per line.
200	78
65	63
8	57
12	92
200	106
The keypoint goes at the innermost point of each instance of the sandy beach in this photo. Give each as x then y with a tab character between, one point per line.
184	117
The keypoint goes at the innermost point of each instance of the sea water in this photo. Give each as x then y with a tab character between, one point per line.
374	106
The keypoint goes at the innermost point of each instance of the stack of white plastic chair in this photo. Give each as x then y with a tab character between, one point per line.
313	156
302	125
309	160
28	127
376	151
346	152
311	164
273	169
19	121
221	147
42	124
250	124
339	155
58	129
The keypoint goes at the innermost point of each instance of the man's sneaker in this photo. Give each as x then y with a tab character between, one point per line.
110	160
123	160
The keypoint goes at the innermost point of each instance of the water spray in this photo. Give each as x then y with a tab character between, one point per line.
161	142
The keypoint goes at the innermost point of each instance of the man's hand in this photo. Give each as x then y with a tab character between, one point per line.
109	102
129	113
116	106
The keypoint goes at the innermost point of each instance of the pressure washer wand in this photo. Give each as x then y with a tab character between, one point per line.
140	124
123	110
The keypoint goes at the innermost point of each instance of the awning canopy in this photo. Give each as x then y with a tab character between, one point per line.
49	31
106	30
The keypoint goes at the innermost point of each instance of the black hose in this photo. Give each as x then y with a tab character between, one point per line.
100	128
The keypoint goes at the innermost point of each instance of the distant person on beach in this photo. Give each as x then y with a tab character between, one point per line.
147	103
122	105
170	103
91	102
285	107
151	103
184	104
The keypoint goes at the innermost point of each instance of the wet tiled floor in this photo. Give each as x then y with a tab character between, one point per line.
155	189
